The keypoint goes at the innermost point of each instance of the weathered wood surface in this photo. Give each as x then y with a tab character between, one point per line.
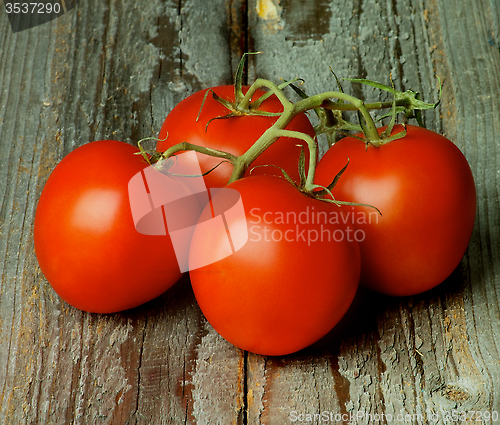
114	69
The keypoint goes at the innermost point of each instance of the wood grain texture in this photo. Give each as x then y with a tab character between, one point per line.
114	69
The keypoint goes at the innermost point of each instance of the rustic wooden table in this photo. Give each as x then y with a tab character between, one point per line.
114	69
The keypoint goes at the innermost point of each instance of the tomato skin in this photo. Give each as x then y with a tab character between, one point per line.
276	296
424	188
85	239
234	135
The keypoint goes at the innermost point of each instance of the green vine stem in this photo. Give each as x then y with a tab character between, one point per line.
290	110
403	102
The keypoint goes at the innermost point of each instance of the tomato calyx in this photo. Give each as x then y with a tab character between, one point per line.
325	194
243	105
235	109
369	138
407	102
319	192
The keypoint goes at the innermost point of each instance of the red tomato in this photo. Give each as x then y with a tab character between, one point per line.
293	279
234	135
424	188
85	239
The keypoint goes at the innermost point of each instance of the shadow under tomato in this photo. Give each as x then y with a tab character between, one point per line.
360	322
173	299
360	319
369	307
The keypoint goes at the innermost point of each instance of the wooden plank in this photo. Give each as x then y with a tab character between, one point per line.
476	124
108	70
429	354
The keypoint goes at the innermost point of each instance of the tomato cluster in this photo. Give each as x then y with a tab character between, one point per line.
397	219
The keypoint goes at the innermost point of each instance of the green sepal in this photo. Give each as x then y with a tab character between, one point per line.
172	160
151	156
364	127
338	175
302	167
410	98
339	86
285	174
238	81
387	132
320	196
